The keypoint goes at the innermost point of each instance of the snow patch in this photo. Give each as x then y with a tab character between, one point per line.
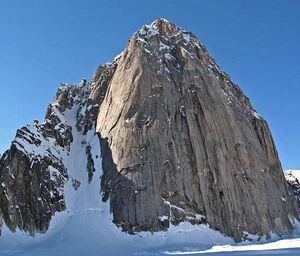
256	115
168	56
163	46
187	37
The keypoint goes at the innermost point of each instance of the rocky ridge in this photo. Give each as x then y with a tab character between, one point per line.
36	169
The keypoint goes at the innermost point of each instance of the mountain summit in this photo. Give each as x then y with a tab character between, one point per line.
162	135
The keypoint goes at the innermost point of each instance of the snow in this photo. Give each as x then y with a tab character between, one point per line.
148	31
295	173
256	115
163	218
118	56
141	40
148	120
89	232
168	56
162	46
147	51
281	247
187	37
250	236
46	148
153	30
188	53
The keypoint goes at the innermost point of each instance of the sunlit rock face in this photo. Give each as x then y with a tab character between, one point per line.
179	142
186	143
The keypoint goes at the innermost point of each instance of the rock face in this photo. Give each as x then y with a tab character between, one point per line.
186	142
36	169
179	142
293	179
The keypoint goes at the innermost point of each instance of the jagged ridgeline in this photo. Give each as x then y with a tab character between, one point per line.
178	141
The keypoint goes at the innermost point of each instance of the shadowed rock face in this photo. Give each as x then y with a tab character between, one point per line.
186	143
294	184
179	142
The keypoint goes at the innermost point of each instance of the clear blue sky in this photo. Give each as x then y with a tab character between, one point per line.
44	43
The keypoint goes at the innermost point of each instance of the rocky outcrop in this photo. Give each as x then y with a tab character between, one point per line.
36	169
179	142
186	142
293	180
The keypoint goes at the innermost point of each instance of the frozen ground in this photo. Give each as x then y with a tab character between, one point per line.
83	233
87	232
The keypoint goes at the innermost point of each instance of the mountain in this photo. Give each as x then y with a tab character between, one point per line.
162	136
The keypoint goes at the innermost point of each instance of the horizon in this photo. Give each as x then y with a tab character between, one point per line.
36	60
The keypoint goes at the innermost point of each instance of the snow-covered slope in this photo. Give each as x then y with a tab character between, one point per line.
89	231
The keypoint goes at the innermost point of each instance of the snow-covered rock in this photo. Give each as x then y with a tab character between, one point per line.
293	179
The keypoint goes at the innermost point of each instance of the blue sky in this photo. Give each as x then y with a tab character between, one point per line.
44	43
